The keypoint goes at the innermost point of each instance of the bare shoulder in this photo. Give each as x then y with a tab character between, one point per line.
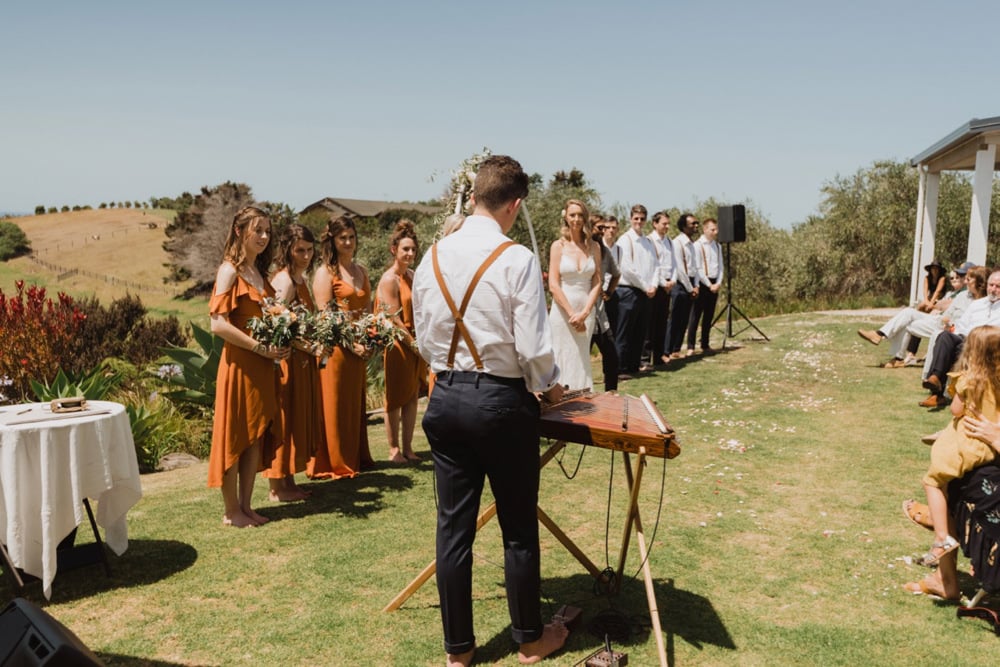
225	278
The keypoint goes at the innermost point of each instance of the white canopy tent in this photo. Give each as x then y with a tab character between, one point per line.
972	147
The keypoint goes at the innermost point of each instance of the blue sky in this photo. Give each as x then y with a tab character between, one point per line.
658	103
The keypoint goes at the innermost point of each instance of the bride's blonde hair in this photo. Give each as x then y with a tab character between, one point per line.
586	220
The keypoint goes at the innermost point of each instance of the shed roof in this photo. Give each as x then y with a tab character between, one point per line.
366	208
957	151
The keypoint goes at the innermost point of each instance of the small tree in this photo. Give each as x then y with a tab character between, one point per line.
65	208
39	210
53	209
102	205
13	242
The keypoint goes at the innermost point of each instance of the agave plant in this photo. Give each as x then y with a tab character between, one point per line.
94	385
197	369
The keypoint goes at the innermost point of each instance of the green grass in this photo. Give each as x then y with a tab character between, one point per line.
780	540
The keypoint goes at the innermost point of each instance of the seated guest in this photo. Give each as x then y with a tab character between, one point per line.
934	286
949	344
909	325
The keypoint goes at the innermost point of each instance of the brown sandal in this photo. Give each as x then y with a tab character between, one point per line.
918	513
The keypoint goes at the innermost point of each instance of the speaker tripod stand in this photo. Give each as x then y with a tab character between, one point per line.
732	308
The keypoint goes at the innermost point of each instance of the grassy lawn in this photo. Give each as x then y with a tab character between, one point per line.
780	539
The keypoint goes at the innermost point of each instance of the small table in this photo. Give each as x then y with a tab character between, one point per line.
49	465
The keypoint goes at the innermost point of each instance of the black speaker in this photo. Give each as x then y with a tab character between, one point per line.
732	224
30	637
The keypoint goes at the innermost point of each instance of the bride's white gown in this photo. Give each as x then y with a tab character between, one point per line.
572	347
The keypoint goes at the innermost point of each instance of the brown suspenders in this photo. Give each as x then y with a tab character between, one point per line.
458	313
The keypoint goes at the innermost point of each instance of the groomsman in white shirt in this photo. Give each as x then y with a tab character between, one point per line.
709	253
685	289
640	274
660	304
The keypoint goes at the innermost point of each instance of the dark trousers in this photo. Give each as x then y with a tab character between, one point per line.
703	312
680	313
946	351
483	427
605	342
659	315
630	330
611	310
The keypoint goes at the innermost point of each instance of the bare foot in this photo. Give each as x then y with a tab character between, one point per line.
931	585
258	519
412	456
396	458
298	489
552	639
238	520
286	496
460	659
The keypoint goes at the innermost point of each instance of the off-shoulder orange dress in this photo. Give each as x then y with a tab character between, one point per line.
246	386
405	370
342	385
299	426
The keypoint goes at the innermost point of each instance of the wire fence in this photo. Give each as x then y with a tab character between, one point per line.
64	272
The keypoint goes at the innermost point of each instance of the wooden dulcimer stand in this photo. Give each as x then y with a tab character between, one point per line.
612	421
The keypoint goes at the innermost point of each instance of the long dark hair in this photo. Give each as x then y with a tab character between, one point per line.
293	234
328	248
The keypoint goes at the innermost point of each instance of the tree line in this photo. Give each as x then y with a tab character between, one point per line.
855	251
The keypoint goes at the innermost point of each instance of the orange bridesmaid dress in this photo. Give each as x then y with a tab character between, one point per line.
405	370
300	408
342	385
246	386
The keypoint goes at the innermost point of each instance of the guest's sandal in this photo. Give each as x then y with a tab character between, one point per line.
938	551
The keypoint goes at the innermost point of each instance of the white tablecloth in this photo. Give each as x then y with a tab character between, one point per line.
48	467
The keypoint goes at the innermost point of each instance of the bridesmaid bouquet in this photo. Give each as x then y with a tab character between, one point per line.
377	331
329	328
278	324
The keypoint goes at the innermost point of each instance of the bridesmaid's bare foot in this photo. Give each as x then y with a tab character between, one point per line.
286	496
258	519
552	639
238	520
396	458
460	659
412	457
298	489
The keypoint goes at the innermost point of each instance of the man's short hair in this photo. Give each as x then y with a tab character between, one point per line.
707	221
662	214
682	220
500	180
639	208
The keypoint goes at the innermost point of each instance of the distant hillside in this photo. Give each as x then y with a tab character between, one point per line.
105	252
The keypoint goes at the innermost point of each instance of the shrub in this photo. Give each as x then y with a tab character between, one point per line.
39	210
53	209
102	205
13	241
123	330
65	208
37	336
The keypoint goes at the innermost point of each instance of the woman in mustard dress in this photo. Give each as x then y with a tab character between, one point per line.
300	414
246	401
342	284
405	371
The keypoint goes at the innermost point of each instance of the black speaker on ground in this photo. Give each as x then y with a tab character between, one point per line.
732	224
30	637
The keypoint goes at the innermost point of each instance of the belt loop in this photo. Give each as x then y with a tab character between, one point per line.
478	375
451	377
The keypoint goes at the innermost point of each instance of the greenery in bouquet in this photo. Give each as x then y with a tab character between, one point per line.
377	331
330	328
278	324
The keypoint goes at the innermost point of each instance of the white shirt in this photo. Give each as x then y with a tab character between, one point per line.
665	256
637	261
506	317
710	254
980	312
686	262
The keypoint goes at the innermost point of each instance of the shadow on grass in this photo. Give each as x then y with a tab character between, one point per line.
351	497
624	618
115	660
145	562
